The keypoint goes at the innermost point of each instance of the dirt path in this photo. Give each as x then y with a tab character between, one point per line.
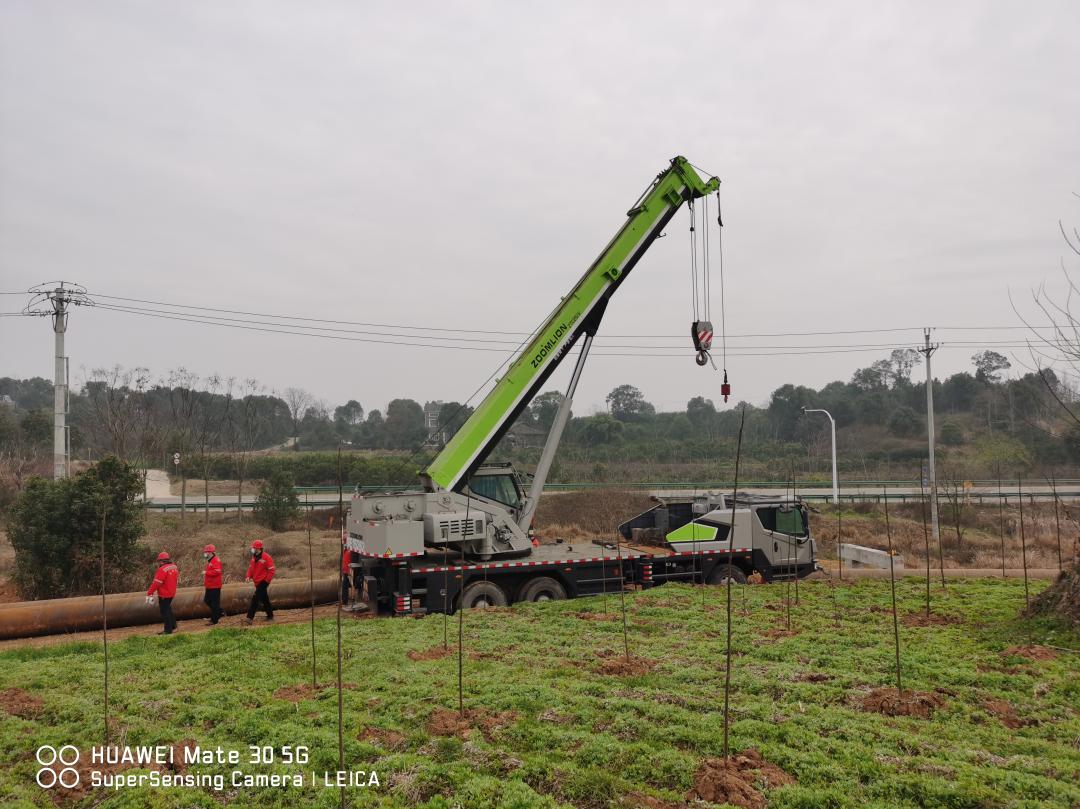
157	484
193	626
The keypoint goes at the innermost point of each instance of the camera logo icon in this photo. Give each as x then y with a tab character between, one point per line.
50	760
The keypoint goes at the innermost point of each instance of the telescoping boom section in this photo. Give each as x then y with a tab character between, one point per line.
480	511
578	313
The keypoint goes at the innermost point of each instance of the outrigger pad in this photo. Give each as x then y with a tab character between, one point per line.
702	332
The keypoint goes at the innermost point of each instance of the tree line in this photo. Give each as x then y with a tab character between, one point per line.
219	426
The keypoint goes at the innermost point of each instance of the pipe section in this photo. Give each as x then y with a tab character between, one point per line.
55	616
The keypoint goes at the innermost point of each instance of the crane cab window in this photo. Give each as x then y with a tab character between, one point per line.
500	488
783	520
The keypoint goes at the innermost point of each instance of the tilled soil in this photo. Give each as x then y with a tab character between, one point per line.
910	703
16	702
739	781
434	653
1004	711
1034	652
621	666
933	619
444	722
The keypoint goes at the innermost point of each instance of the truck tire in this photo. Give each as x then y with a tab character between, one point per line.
721	573
483	594
544	588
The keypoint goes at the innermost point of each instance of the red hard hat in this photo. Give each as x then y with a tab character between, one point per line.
257	544
209	549
163	556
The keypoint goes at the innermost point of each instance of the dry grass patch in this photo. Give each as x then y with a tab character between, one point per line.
889	702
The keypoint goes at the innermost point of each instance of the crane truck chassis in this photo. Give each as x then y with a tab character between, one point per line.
687	540
465	537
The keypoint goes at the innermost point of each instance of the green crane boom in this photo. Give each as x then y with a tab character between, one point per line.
578	313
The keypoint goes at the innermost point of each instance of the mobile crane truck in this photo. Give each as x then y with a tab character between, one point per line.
463	539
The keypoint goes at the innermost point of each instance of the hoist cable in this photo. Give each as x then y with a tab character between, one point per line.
706	270
693	263
723	311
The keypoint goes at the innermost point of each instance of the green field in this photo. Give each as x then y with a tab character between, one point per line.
552	729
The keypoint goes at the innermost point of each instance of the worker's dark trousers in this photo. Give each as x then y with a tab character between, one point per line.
344	589
260	599
212	599
165	605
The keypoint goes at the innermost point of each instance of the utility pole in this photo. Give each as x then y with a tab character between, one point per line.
832	423
55	299
928	349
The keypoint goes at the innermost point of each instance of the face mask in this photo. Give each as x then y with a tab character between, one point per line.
255	552
207	556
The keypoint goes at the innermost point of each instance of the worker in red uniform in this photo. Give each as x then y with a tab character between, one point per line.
164	585
260	572
346	573
212	583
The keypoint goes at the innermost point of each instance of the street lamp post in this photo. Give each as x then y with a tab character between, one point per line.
832	421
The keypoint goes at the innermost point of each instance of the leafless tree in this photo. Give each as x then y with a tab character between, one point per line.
212	415
248	415
297	400
183	409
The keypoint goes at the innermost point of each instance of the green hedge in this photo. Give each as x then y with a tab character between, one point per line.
317	468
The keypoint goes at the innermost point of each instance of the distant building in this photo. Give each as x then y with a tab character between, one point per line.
6	401
524	436
437	435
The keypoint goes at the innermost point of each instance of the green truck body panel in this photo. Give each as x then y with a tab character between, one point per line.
693	532
571	318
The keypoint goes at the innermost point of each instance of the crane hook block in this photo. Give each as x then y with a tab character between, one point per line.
725	388
702	332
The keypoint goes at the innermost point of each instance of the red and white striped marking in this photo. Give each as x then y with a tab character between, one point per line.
390	555
711	553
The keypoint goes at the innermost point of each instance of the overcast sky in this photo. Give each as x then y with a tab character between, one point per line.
458	165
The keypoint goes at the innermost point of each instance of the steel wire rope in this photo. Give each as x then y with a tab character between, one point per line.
517	333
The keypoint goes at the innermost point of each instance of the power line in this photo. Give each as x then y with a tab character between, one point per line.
746	351
408	327
317	331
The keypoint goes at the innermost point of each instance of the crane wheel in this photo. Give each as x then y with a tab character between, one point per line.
544	588
481	594
721	574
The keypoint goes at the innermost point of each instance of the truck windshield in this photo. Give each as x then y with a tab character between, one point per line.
500	488
789	521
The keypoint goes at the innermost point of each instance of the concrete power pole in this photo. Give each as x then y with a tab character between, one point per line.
55	299
928	350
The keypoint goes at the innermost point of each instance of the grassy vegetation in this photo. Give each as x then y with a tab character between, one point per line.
553	730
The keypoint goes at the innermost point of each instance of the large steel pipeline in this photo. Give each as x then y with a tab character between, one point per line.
26	619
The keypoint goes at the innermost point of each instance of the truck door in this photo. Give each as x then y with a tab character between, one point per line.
787	535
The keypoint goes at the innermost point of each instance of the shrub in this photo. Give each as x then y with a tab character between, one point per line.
951	434
277	502
55	530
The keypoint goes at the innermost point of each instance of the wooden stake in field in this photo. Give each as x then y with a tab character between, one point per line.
795	545
892	583
1001	523
340	697
311	590
104	625
839	540
926	539
622	598
1023	540
1057	518
731	545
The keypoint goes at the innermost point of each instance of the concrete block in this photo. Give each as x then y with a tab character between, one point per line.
856	556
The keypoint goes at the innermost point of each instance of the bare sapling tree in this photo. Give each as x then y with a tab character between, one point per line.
183	410
892	584
248	416
213	414
298	401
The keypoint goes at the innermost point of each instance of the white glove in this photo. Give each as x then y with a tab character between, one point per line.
150	600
